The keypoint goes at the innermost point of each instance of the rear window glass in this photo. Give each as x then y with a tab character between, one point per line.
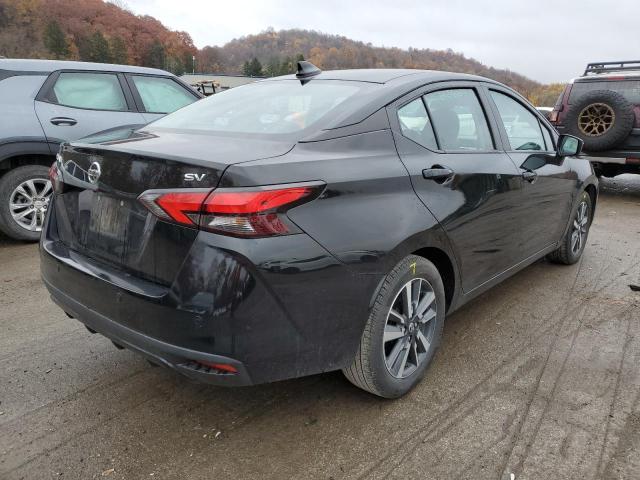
629	89
270	107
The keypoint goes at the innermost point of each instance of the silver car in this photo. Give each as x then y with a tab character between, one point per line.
46	102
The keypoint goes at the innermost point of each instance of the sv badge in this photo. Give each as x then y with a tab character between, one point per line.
194	177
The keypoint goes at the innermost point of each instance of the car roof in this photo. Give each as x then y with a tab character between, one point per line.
389	75
391	83
594	77
48	66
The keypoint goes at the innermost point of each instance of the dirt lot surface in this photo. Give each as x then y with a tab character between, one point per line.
538	378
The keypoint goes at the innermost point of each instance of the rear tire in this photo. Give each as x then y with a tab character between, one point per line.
383	341
577	233
9	196
602	118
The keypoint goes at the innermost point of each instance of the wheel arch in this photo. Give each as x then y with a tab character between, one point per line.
9	163
21	151
593	193
445	266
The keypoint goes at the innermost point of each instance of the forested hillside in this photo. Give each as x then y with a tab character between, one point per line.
90	30
93	30
275	49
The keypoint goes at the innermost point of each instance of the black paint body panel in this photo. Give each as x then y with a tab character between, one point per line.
296	304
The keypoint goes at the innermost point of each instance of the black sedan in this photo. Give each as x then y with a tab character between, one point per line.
312	222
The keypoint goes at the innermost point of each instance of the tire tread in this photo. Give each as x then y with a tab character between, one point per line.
360	372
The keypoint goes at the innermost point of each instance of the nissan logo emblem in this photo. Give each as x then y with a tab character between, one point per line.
94	172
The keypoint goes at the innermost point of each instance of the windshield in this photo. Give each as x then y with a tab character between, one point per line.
269	107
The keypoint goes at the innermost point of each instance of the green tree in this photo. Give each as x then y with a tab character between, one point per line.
246	69
254	68
155	56
55	40
94	48
273	67
119	52
287	66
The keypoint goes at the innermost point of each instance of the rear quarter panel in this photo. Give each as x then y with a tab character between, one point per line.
369	216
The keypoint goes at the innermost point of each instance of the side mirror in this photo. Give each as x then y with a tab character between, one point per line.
569	146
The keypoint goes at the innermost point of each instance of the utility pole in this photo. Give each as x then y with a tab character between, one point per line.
194	64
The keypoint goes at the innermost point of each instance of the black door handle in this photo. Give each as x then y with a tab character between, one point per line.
530	176
437	173
66	121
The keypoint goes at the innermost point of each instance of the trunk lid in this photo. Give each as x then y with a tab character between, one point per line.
99	214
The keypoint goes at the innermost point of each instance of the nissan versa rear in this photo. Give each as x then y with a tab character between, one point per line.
310	223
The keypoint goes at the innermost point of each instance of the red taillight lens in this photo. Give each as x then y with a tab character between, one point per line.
179	206
55	177
53	172
253	202
255	212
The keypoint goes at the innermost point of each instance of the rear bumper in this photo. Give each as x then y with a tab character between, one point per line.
273	308
180	359
614	162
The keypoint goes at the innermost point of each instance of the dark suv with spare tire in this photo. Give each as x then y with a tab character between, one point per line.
602	107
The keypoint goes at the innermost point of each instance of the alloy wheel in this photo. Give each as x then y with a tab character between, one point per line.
580	227
28	203
596	119
409	329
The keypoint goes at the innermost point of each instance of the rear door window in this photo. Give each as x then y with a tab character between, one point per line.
94	91
459	120
522	126
161	95
415	124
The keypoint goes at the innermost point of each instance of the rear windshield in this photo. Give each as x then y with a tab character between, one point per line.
280	108
629	89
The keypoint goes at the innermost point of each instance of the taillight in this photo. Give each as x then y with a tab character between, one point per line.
55	176
554	116
250	212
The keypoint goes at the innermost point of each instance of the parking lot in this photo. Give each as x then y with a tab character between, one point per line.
537	378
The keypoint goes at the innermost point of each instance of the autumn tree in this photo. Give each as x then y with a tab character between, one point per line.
55	40
209	59
546	95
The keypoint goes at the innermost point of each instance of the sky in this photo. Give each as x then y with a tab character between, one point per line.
548	41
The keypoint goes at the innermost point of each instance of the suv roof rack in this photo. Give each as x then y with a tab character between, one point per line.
605	67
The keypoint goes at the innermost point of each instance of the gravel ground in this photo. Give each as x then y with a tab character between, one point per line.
537	378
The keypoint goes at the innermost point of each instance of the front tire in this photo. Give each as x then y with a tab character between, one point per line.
574	241
403	331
